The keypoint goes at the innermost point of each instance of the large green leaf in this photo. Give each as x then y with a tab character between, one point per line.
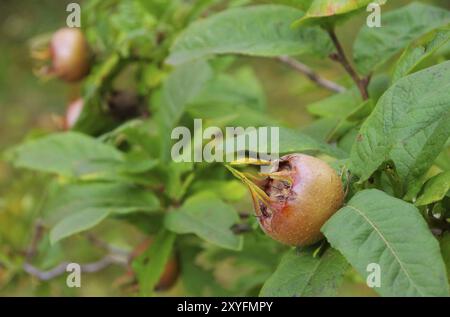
232	100
258	31
292	141
94	119
342	104
443	159
300	274
299	4
112	197
242	87
209	218
198	280
408	126
77	222
338	105
374	46
230	115
377	228
434	189
416	54
178	90
445	250
289	141
70	154
150	265
322	11
351	120
321	128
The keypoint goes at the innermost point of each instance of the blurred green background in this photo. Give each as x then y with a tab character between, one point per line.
29	105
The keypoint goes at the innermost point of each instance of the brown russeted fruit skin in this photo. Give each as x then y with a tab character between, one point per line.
70	54
298	209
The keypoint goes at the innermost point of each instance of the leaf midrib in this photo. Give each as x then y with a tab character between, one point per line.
393	251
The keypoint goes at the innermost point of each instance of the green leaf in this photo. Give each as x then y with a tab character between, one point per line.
242	88
232	100
300	274
69	154
230	190
112	197
292	141
77	222
93	118
257	31
197	280
351	120
326	11
414	55
377	228
342	104
374	46
230	115
151	264
338	105
299	4
409	126
434	189
443	159
178	90
289	141
209	218
445	250
320	129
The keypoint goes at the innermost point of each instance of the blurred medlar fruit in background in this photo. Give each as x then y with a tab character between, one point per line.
66	56
299	195
73	112
70	54
120	106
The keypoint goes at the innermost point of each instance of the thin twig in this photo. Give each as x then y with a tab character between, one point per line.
85	268
311	74
38	232
115	256
104	245
361	83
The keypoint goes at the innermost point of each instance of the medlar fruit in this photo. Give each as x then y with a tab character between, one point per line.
73	112
298	196
65	55
70	54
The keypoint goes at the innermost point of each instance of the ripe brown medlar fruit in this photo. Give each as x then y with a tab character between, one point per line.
297	196
70	54
66	55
